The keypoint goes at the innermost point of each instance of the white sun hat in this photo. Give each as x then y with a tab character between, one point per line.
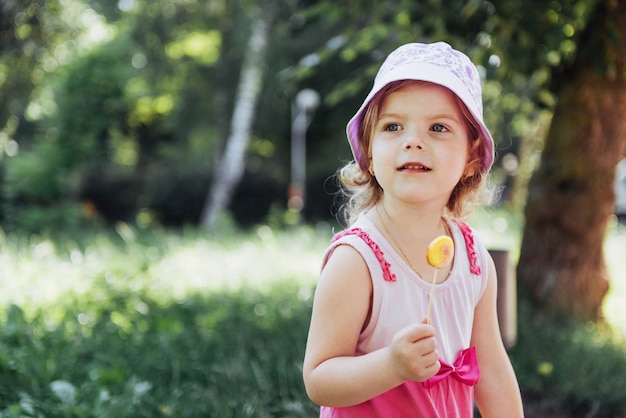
436	63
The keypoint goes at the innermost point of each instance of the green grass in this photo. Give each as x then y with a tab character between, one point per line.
151	323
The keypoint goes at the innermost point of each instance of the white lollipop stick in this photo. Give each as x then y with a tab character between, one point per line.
440	251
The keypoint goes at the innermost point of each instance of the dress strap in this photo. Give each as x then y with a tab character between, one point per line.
384	264
468	236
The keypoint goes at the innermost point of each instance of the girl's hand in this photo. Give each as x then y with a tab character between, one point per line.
414	352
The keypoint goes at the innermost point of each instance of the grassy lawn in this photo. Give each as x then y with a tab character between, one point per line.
150	323
154	323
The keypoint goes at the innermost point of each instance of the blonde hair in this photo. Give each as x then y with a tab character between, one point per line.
362	191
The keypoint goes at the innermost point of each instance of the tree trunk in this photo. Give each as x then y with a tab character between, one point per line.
230	168
571	195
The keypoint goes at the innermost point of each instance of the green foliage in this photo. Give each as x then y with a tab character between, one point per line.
577	369
34	193
165	77
37	218
34	176
176	192
41	181
223	354
168	73
26	31
92	104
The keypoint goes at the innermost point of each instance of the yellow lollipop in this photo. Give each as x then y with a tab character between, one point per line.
440	252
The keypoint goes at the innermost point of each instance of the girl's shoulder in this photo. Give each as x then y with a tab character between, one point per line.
361	230
362	237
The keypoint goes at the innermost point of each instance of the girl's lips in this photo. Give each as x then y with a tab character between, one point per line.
413	167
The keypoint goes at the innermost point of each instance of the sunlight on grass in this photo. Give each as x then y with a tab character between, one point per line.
37	275
40	272
615	301
259	262
144	323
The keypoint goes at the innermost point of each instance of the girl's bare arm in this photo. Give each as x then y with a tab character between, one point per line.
497	392
333	375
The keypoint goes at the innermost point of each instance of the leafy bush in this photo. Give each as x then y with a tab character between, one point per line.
175	190
112	190
33	194
576	369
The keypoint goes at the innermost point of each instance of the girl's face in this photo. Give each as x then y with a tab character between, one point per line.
420	143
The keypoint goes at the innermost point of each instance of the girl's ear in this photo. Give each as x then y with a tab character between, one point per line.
370	163
474	161
472	167
469	171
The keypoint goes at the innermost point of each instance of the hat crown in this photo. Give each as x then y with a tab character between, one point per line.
439	54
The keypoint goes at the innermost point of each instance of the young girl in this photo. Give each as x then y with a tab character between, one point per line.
422	153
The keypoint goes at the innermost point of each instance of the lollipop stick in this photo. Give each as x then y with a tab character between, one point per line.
430	297
439	252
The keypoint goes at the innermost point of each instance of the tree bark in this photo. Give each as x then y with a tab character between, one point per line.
571	195
230	168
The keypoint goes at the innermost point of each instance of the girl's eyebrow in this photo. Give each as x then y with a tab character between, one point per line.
444	116
389	115
436	116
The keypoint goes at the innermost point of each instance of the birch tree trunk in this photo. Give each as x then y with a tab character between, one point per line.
571	195
229	170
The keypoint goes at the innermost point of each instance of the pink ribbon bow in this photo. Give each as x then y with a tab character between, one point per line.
465	369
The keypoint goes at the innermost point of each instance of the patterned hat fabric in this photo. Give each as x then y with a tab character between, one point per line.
436	63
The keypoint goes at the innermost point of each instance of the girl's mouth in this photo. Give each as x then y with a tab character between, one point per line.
413	167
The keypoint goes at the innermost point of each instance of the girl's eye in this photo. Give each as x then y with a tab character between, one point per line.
392	127
439	128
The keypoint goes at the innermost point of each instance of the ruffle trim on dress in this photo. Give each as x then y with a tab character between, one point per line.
385	265
468	236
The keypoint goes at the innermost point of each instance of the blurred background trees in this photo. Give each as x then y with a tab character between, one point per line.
120	111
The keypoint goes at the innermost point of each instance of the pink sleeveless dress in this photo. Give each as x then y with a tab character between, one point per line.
400	298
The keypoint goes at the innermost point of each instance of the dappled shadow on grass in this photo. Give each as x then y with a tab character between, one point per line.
223	354
569	369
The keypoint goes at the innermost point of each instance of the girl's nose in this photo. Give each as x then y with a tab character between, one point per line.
413	140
